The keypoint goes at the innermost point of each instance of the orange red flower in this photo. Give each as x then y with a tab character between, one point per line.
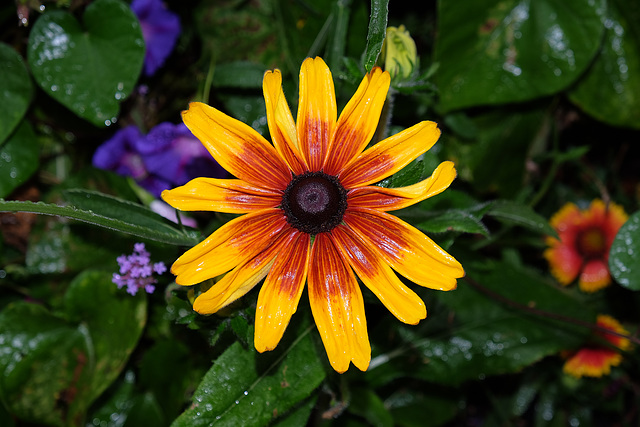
585	237
596	360
312	215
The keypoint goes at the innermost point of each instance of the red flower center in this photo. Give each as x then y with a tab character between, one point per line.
591	243
314	202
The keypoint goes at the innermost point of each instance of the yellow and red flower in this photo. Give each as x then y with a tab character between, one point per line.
312	215
585	237
596	360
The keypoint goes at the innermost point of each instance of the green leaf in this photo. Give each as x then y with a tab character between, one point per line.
454	220
247	389
516	213
16	90
504	51
88	68
367	404
624	255
137	220
239	74
408	408
376	33
45	365
610	91
115	321
515	320
19	158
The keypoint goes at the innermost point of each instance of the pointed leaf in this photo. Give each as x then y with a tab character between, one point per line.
16	90
518	214
624	255
377	32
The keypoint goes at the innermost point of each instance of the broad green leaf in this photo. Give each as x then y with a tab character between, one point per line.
19	158
137	221
243	388
114	319
90	67
45	365
504	51
377	32
610	91
516	213
367	404
454	220
408	408
495	329
16	90
624	255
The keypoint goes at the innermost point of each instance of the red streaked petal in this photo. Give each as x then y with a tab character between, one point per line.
237	147
612	324
567	217
592	362
594	276
338	307
405	304
564	261
240	280
317	111
232	244
221	195
358	121
406	249
281	125
389	199
390	155
281	291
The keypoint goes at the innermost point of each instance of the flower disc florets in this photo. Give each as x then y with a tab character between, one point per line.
314	202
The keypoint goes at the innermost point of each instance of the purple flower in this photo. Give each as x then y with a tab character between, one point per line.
160	30
173	154
120	154
136	271
169	156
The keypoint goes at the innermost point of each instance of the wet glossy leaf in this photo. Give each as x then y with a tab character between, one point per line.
377	32
454	220
16	90
624	255
503	51
240	389
507	338
518	214
114	320
45	365
90	67
611	89
408	408
136	219
19	158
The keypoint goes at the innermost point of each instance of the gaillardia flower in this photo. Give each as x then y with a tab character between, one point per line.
583	247
312	215
596	360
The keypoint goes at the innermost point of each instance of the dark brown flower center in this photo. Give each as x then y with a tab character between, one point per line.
591	243
314	202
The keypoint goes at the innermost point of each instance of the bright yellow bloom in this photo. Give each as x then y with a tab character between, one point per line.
596	360
312	215
583	248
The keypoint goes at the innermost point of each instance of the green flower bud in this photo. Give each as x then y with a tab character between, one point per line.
399	52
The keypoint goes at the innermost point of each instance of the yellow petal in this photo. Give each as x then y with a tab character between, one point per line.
358	121
317	111
401	301
406	249
241	279
221	195
389	199
390	155
234	243
281	291
337	307
237	147
281	125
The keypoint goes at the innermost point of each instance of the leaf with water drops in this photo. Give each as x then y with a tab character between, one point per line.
503	51
611	89
19	158
244	388
16	90
624	255
90	67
